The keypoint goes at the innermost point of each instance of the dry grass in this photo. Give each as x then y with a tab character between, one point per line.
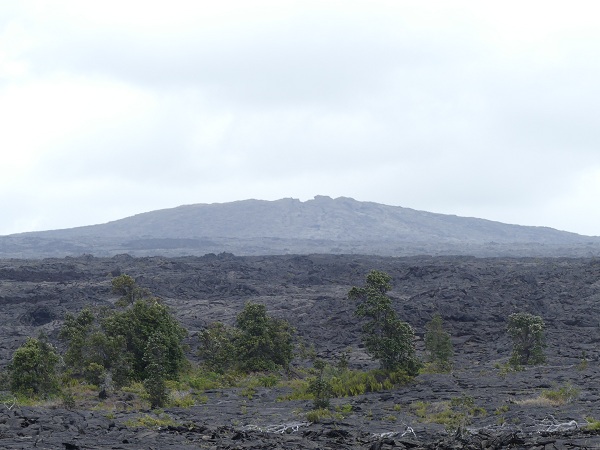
537	401
552	397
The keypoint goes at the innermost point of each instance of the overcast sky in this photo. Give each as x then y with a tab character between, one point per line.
477	108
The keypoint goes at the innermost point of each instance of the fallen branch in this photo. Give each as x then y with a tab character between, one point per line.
391	434
11	401
291	427
551	425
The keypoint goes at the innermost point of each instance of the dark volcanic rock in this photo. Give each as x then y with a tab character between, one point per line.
474	296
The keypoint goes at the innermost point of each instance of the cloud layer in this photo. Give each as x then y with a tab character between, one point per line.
113	108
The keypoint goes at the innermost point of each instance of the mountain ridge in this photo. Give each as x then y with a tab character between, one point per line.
319	225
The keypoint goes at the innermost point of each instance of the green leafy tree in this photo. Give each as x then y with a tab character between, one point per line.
33	369
93	354
263	342
125	286
75	331
527	333
386	338
217	347
109	348
438	345
137	324
156	360
258	342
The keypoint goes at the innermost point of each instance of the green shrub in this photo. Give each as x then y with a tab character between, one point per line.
217	347
345	409
91	352
505	369
300	390
343	359
68	399
155	358
438	345
527	333
268	381
354	382
137	324
320	387
203	380
257	343
110	347
349	383
248	392
420	408
94	373
502	409
592	424
184	400
125	286
463	401
264	343
316	415
455	413
33	369
561	395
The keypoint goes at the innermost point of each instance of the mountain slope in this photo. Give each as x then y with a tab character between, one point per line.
321	225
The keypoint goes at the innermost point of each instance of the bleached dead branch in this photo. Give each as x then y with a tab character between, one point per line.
290	427
10	403
391	434
551	425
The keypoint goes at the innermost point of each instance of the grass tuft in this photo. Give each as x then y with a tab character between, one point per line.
316	415
162	420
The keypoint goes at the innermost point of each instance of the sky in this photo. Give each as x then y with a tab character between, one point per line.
473	108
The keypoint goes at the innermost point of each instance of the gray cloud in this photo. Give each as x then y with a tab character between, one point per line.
438	110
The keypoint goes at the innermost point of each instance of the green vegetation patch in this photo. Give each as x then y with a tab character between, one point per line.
592	424
561	395
161	420
455	413
348	383
317	415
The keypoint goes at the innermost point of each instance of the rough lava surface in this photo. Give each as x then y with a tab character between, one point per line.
474	296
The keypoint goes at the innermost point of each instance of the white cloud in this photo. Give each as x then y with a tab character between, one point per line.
467	107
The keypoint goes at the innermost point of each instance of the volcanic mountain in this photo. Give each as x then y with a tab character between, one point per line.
289	226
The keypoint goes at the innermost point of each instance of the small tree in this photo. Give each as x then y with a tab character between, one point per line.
91	352
527	333
257	343
155	357
33	370
385	336
111	348
75	331
217	347
263	342
320	387
127	288
137	324
438	344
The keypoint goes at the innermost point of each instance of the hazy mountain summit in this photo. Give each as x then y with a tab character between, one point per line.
320	225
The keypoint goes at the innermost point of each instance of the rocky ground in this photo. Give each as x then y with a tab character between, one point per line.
474	296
